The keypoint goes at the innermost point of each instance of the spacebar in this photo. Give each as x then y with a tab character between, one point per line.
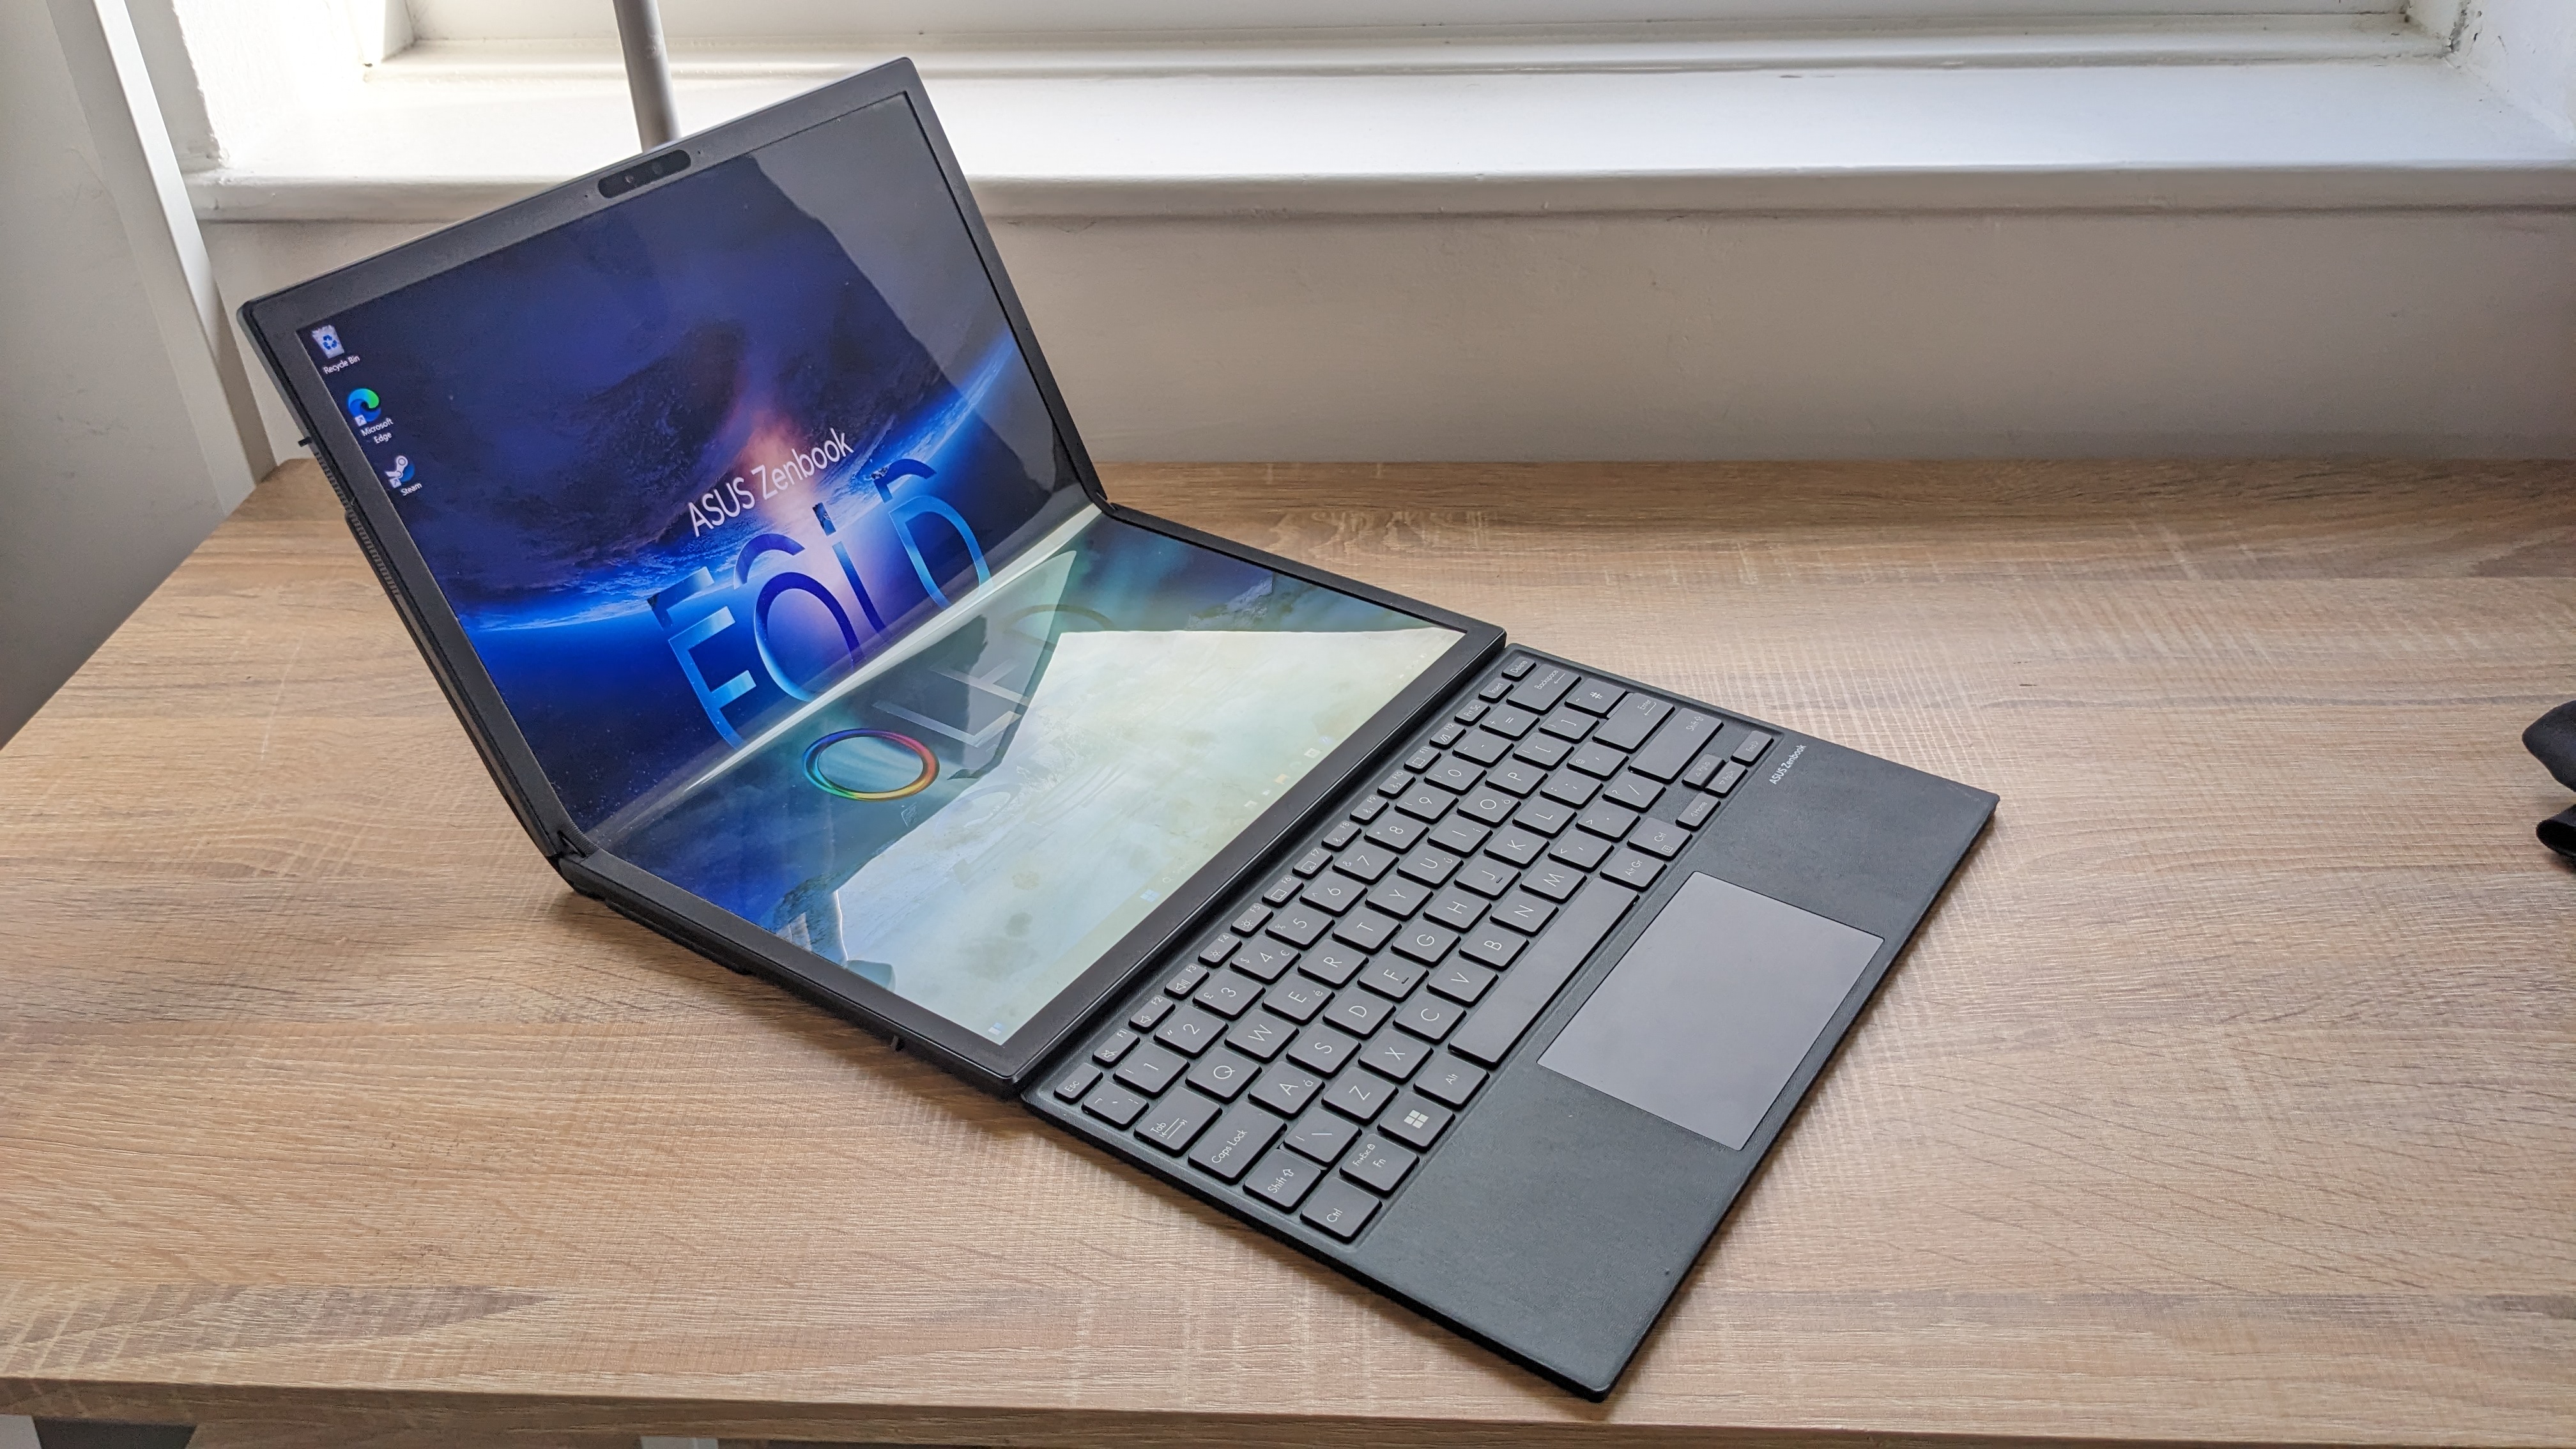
1534	980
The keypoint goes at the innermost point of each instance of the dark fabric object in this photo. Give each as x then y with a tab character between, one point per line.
2552	737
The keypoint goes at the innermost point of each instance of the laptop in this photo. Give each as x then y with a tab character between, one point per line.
729	498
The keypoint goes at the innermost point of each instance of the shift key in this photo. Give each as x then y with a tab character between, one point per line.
1542	971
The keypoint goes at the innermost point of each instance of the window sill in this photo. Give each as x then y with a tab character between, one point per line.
2248	118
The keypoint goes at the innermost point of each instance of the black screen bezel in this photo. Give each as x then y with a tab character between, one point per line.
276	322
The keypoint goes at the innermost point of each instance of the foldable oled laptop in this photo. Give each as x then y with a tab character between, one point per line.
730	501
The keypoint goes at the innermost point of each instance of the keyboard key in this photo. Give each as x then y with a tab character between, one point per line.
1517	778
1288	1089
1544	816
1228	993
1190	1030
1515	846
1492	945
1222	1074
1672	746
1313	861
1173	1123
1566	787
1458	837
1544	751
1426	1016
1518	999
1700	769
1187	979
1727	779
1395	1055
1300	925
1340	835
1487	877
1366	929
1473	711
1421	759
1545	686
1396	783
1217	950
1447	735
1429	865
1607	819
1249	923
1322	1050
1365	862
1114	1104
1425	943
1453	908
1482	746
1281	891
1495	690
1260	1035
1393	977
1631	721
1552	881
1634	791
1151	1069
1566	725
1453	775
1450	1080
1525	913
1461	981
1071	1086
1750	748
1511	722
1264	960
1424	803
1660	838
1413	1122
1335	893
1322	1136
1337	1207
1595	696
1518	667
1283	1179
1630	868
1378	1164
1598	760
1358	1012
1367	809
1154	1010
1332	963
1399	897
1486	804
1296	998
1237	1141
1120	1043
1396	832
1359	1095
1696	813
1579	850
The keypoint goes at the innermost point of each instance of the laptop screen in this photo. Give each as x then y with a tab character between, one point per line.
752	509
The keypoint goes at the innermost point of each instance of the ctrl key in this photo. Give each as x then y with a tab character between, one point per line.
1340	1209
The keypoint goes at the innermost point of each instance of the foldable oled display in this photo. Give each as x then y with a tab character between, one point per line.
754	514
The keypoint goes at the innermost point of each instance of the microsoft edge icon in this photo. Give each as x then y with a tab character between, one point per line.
364	406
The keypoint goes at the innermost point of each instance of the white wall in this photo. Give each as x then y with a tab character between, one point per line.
1637	336
118	451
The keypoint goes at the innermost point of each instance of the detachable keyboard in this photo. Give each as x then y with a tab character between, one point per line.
1304	1058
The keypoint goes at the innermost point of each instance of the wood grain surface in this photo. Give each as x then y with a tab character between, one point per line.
2230	1095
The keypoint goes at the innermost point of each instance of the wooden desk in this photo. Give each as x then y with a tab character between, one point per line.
2227	1097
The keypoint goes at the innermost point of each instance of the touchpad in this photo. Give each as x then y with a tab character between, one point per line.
1704	1019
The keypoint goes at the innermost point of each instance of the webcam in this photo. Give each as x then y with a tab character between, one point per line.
666	164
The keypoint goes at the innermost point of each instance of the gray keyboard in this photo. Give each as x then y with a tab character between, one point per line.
1316	1048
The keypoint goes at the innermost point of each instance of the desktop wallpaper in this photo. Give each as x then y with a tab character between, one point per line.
749	504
